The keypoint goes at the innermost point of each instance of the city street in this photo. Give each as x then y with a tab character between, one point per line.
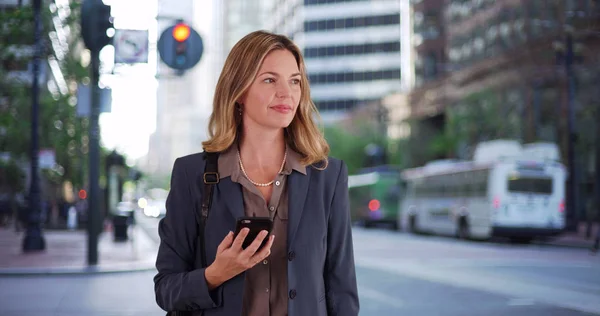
475	118
401	274
398	274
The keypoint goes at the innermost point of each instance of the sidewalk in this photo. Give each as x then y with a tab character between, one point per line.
574	239
66	253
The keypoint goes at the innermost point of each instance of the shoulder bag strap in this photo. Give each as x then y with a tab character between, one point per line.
210	178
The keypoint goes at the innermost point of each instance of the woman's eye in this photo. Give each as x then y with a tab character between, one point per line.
269	80
296	81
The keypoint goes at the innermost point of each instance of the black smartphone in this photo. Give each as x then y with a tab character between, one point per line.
256	225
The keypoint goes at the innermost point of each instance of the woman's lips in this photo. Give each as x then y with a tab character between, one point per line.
282	108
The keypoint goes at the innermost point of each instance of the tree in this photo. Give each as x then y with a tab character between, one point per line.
350	144
60	128
476	118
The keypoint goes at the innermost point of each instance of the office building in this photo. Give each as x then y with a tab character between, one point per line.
352	50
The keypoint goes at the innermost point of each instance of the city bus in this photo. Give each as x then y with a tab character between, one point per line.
374	195
520	195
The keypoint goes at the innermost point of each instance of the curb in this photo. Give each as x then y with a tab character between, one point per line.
576	243
86	270
565	245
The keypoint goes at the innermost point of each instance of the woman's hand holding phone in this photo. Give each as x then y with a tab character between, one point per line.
232	259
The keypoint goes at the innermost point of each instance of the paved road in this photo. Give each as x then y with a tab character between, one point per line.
401	274
398	274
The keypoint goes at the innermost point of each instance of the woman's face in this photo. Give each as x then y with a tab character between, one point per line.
272	99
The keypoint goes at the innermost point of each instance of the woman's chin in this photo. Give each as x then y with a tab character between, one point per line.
278	124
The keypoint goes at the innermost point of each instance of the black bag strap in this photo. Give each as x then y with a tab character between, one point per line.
209	179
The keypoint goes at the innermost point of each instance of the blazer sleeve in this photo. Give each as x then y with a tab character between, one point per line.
340	273
178	286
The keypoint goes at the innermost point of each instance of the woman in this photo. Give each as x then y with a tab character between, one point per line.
272	162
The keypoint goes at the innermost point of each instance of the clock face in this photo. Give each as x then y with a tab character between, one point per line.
131	46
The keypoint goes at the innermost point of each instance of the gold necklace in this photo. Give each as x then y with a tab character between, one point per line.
256	183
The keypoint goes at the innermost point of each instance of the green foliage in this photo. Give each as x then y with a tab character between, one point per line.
479	115
12	177
349	145
59	127
474	119
17	26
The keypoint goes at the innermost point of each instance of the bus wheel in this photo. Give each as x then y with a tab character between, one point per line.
412	224
463	229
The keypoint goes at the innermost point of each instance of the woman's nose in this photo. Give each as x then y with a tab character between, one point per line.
283	90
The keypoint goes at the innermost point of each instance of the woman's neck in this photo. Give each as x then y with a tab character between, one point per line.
262	150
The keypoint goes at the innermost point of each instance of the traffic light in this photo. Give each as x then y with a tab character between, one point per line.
96	21
180	46
181	33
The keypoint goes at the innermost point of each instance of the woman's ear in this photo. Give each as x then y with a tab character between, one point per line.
241	100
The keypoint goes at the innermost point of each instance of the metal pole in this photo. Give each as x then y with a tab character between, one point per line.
383	125
597	182
34	240
94	219
572	192
536	111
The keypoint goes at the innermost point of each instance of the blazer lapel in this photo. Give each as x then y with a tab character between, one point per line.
231	193
297	191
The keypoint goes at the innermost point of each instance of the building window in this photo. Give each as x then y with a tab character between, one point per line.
346	50
345	77
430	66
341	104
315	2
427	25
348	23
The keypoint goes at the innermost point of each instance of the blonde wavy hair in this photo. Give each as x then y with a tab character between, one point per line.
239	71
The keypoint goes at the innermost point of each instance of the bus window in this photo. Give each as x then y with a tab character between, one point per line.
530	185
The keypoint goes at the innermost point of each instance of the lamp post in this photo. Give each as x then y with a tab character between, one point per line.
597	182
567	55
34	240
96	20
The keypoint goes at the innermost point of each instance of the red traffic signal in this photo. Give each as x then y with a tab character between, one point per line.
180	46
181	32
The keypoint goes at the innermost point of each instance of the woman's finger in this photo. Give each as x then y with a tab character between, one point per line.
239	239
251	250
265	251
225	243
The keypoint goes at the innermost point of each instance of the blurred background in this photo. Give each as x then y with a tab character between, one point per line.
476	119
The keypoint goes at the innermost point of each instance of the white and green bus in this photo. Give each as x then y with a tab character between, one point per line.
374	195
520	196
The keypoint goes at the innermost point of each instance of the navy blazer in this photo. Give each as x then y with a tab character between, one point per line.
321	272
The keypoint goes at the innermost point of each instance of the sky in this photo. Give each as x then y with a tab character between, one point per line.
133	118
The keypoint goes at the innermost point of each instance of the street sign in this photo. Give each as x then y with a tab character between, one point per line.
180	46
131	46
